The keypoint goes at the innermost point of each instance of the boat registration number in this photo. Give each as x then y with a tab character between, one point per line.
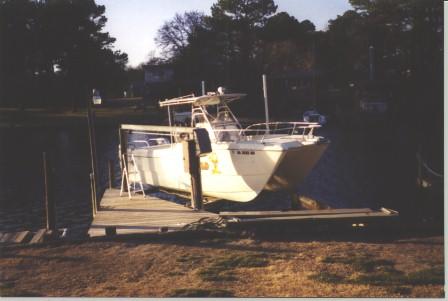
242	152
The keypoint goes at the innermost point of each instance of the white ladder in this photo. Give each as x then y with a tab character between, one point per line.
136	177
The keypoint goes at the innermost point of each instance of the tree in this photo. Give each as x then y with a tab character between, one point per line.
37	36
236	43
174	34
408	40
16	41
409	37
344	49
252	13
281	26
236	24
287	44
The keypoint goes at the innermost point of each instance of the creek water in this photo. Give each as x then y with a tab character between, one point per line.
359	169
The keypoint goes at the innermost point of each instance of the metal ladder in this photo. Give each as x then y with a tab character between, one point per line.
137	178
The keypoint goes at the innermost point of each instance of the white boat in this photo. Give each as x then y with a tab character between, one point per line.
243	162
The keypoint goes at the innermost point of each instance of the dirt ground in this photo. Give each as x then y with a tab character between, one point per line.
223	266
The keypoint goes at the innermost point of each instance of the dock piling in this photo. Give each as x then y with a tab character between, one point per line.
92	194
49	198
191	164
111	174
123	151
93	158
111	231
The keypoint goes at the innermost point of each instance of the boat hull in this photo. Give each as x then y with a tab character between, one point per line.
232	174
296	164
236	172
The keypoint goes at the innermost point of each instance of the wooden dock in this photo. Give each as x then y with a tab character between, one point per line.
344	215
151	214
141	215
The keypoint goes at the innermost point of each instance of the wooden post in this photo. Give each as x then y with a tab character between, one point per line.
419	171
111	231
92	195
191	164
295	201
91	128
123	151
49	197
95	161
111	174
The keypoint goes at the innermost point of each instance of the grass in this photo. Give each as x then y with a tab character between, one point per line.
401	290
327	277
221	269
175	273
241	261
435	275
379	272
189	258
362	263
422	277
193	292
187	268
8	289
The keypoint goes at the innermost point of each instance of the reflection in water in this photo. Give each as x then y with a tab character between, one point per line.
357	170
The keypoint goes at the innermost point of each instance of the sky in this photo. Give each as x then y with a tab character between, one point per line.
134	23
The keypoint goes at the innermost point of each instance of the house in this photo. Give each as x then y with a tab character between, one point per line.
159	83
157	74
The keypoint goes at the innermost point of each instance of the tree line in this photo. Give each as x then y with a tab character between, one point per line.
53	52
242	39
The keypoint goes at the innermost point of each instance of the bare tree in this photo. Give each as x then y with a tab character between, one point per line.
174	34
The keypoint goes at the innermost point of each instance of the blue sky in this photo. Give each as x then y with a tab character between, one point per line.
134	23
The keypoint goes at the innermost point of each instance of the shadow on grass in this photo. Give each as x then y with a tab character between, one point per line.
8	289
221	239
373	232
195	292
380	272
430	276
221	268
362	263
46	258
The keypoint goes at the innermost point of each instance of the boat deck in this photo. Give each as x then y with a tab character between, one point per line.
141	215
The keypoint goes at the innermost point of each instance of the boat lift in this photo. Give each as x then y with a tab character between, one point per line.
355	216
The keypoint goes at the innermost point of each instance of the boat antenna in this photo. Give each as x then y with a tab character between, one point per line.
203	87
169	122
266	109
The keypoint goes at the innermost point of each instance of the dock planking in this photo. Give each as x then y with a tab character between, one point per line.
141	214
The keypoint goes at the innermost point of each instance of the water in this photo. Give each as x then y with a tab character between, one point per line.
21	174
359	169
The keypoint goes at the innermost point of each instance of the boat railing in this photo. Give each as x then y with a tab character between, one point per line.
263	131
145	136
270	129
154	136
149	141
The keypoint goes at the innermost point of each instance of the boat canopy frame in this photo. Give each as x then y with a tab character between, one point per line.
263	131
211	98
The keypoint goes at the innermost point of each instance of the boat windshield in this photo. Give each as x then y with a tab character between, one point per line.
222	125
